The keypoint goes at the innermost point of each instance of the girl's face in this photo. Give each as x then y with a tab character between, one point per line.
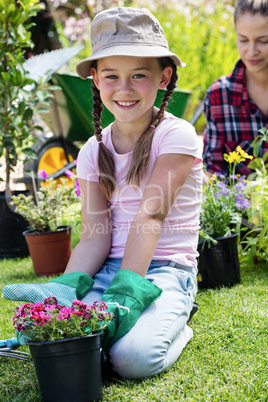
128	86
252	41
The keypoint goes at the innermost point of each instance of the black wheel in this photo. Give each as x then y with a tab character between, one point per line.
51	156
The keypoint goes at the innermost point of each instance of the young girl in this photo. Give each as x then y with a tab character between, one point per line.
236	106
140	182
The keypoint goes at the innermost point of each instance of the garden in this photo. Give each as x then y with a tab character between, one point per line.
227	358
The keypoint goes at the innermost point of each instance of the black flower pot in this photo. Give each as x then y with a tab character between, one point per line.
12	241
218	265
68	370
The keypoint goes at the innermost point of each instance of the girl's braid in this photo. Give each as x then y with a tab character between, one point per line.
170	89
105	158
97	111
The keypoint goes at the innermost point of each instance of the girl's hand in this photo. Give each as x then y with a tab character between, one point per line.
127	296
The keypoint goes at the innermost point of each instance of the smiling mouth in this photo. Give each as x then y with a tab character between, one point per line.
125	104
254	61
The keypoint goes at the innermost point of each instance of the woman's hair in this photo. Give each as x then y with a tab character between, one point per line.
141	152
251	6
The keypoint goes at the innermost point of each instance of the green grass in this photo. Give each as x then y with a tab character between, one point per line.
226	360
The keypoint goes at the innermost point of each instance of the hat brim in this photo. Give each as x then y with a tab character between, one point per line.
84	66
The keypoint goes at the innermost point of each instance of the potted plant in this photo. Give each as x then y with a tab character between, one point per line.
65	346
17	106
223	207
255	246
49	242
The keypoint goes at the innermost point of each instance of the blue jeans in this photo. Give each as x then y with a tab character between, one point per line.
160	334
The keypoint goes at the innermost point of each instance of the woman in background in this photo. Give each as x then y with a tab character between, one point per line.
236	105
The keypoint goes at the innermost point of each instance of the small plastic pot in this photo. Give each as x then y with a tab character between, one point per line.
218	265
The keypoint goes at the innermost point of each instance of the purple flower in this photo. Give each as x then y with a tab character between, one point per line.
77	188
220	176
223	189
69	173
42	173
241	201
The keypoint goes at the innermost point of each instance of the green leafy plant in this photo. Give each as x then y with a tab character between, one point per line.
255	242
49	321
219	215
224	201
52	200
17	104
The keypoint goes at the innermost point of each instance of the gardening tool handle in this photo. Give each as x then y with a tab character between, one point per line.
9	343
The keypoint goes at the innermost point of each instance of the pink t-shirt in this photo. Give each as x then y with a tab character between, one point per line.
179	234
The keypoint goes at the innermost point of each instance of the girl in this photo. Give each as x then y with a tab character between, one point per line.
140	182
236	105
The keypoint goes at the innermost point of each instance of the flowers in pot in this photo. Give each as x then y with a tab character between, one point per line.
49	244
224	205
51	201
224	201
65	347
49	321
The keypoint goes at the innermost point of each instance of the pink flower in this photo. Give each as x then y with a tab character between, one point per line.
52	301
37	307
79	304
77	188
65	313
69	173
42	173
51	307
100	305
50	321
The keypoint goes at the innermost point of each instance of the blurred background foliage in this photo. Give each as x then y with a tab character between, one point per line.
201	32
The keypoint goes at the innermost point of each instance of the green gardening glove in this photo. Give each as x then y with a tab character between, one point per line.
127	296
66	288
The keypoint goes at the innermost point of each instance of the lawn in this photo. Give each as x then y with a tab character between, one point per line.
227	359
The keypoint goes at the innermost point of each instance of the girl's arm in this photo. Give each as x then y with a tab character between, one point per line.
95	242
168	175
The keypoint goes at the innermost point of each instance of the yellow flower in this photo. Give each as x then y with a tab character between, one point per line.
255	220
214	177
243	153
226	157
233	157
237	156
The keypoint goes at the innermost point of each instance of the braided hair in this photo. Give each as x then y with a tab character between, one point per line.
141	152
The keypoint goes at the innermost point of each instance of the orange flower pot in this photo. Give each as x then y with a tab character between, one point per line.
50	251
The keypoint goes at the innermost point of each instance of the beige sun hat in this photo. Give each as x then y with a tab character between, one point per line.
126	31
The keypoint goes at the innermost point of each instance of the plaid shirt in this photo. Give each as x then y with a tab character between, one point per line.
232	120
